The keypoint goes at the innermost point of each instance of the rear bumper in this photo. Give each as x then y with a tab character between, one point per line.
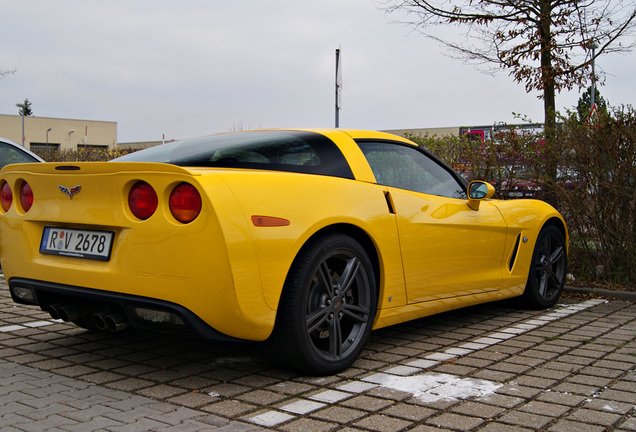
137	310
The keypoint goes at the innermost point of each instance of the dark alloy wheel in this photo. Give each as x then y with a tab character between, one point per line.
548	269
327	307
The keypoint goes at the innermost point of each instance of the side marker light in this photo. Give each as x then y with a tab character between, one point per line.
269	221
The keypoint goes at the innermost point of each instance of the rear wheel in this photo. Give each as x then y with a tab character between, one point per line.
548	269
327	306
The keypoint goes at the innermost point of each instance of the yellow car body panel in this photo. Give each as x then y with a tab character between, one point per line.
230	272
139	263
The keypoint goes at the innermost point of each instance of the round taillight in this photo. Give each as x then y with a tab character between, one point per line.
185	203
26	196
142	200
6	196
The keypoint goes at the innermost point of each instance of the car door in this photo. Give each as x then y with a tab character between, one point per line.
448	249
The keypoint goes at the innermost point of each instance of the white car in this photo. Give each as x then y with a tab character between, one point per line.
11	153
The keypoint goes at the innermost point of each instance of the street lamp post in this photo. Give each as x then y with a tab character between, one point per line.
47	136
22	115
593	45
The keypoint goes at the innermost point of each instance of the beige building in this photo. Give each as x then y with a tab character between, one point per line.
423	132
45	134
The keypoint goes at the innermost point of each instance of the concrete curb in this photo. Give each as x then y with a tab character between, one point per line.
617	294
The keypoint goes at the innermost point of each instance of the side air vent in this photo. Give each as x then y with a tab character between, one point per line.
514	253
389	202
67	168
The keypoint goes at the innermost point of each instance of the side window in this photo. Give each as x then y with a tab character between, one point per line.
408	168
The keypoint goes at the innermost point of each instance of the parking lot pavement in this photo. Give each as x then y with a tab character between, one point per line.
490	368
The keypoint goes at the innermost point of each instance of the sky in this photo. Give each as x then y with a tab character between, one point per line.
181	69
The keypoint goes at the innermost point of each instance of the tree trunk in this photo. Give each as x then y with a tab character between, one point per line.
549	100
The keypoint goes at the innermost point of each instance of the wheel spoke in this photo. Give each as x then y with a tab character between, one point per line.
543	284
356	312
335	338
555	280
556	256
316	318
324	277
546	246
349	274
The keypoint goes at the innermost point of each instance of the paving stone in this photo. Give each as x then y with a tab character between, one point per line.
382	423
624	386
523	419
129	384
571	426
367	403
500	427
455	421
594	417
578	389
501	400
518	390
389	393
161	391
530	381
492	375
619	396
409	411
307	424
601	372
629	424
301	406
589	380
476	409
229	408
261	397
338	414
285	387
543	408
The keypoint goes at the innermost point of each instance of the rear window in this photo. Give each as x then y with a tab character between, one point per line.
294	151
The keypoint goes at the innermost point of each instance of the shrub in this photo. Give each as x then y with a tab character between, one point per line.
601	210
595	188
86	155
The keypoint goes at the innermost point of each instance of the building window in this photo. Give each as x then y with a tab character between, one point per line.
89	147
44	149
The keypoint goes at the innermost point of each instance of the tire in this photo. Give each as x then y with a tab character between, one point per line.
548	269
327	307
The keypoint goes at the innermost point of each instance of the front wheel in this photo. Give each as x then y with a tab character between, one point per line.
327	306
548	269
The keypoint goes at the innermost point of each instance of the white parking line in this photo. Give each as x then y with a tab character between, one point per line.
428	386
34	324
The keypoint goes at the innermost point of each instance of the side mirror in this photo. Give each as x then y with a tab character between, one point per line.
477	191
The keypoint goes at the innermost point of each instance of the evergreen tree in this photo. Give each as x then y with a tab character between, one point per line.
26	110
585	104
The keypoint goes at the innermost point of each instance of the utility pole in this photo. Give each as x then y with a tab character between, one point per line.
338	87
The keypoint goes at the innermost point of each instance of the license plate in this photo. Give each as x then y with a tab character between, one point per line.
79	243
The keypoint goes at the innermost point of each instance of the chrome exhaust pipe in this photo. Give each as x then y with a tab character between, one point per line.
52	310
65	312
116	323
113	323
68	312
99	321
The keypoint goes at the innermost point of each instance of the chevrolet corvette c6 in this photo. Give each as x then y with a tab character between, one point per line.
308	239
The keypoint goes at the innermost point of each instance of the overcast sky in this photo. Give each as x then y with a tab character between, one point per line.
192	67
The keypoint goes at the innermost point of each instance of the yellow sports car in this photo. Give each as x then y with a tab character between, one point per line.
306	238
